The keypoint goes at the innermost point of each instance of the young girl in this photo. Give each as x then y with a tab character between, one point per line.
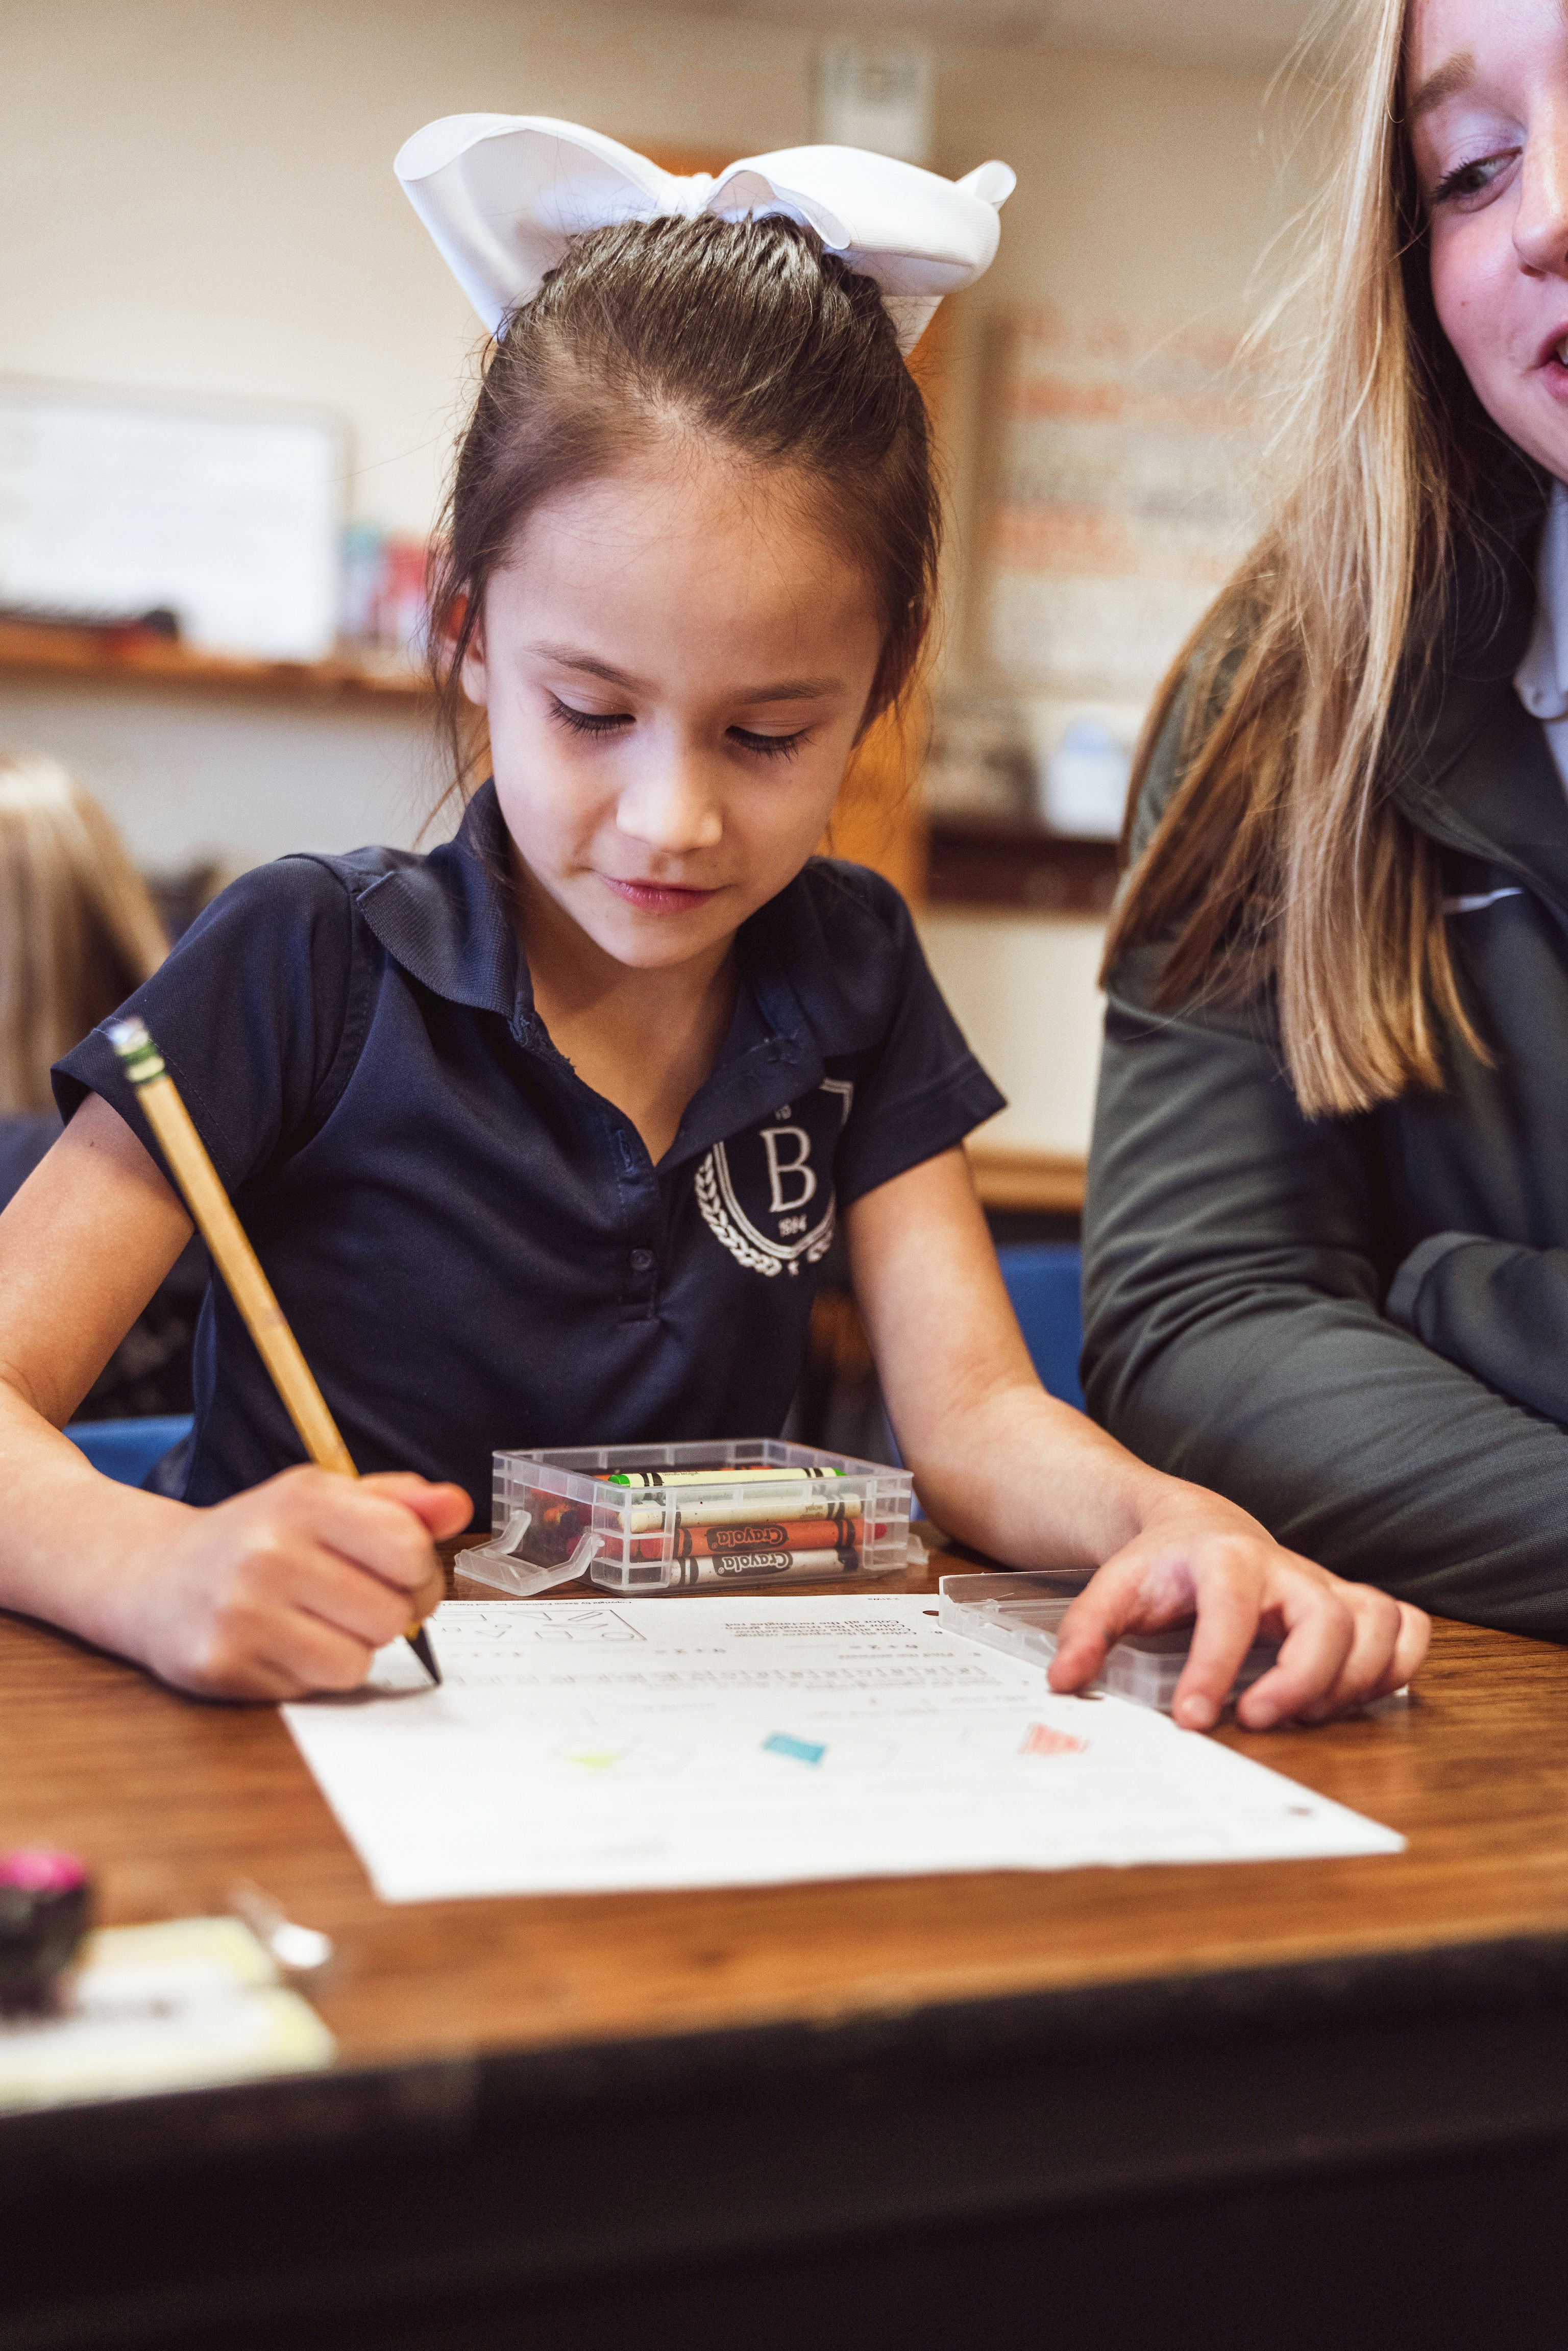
1328	1218
541	1136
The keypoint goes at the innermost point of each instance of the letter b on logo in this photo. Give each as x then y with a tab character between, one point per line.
782	1171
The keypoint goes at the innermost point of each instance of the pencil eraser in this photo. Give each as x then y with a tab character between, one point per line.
46	1902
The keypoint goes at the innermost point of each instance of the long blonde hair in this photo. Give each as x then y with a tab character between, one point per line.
77	929
1281	856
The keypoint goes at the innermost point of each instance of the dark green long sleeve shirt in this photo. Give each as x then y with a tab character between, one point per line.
1357	1328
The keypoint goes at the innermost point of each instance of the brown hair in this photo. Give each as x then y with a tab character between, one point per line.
745	331
1281	857
77	929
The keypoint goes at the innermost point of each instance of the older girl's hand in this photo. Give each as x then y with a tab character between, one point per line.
1343	1645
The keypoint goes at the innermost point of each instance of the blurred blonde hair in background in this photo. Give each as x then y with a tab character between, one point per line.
78	928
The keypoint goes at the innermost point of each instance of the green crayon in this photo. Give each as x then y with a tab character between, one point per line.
712	1477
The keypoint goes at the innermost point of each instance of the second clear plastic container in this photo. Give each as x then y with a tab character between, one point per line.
760	1512
1021	1613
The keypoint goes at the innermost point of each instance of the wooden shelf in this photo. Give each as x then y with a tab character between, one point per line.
136	658
1037	1183
997	860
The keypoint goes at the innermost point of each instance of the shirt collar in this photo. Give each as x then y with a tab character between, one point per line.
1542	677
447	918
820	973
1471	766
816	959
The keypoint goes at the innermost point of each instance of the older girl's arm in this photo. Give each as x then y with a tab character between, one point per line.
1005	1467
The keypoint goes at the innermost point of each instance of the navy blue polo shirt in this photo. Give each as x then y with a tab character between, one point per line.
474	1248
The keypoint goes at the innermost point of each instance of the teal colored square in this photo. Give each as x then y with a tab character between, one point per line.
799	1750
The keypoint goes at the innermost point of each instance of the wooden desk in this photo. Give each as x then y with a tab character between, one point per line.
901	2113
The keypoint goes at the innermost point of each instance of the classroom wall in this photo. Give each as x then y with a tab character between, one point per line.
1025	995
197	197
1148	196
199	194
233	782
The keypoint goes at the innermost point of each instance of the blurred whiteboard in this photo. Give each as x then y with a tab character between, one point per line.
109	507
1127	471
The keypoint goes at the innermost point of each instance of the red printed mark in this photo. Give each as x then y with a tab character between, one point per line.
1040	1741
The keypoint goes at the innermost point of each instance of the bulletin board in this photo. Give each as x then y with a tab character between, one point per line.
1123	471
231	517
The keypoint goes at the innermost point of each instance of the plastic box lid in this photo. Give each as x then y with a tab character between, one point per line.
1020	1614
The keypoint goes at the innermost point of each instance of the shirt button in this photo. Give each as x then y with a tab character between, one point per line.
641	1261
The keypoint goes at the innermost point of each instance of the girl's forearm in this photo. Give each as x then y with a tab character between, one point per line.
1025	1478
997	1461
73	1545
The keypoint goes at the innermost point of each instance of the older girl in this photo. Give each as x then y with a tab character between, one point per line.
1328	1226
542	1136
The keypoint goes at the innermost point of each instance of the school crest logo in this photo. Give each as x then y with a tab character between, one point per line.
768	1196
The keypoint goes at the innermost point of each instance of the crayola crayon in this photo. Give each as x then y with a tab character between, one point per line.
796	1566
713	1477
756	1535
639	1515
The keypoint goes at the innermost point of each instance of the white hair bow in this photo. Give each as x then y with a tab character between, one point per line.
502	193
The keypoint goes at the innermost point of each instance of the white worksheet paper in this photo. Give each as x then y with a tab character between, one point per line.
601	1746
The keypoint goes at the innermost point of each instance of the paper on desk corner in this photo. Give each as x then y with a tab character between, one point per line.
173	2006
598	1745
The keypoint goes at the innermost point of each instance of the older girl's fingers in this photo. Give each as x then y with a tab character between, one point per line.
1364	1673
1320	1630
1410	1649
1391	1641
1104	1610
1230	1580
1344	1644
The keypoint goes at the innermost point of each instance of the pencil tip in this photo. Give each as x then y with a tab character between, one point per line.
419	1642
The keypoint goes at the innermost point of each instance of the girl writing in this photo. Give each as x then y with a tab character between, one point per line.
541	1136
1327	1262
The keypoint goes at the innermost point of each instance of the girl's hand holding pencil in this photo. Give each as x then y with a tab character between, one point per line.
293	1586
288	1588
309	1547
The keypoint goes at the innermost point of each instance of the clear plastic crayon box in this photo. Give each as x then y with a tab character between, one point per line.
745	1512
1021	1613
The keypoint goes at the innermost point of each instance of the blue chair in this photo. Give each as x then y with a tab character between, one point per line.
126	1450
1045	1284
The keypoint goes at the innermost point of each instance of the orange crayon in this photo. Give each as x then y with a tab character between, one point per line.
832	1537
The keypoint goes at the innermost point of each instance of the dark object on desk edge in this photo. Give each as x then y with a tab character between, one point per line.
45	1904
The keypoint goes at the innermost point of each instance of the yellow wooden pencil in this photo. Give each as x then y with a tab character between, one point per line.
236	1259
